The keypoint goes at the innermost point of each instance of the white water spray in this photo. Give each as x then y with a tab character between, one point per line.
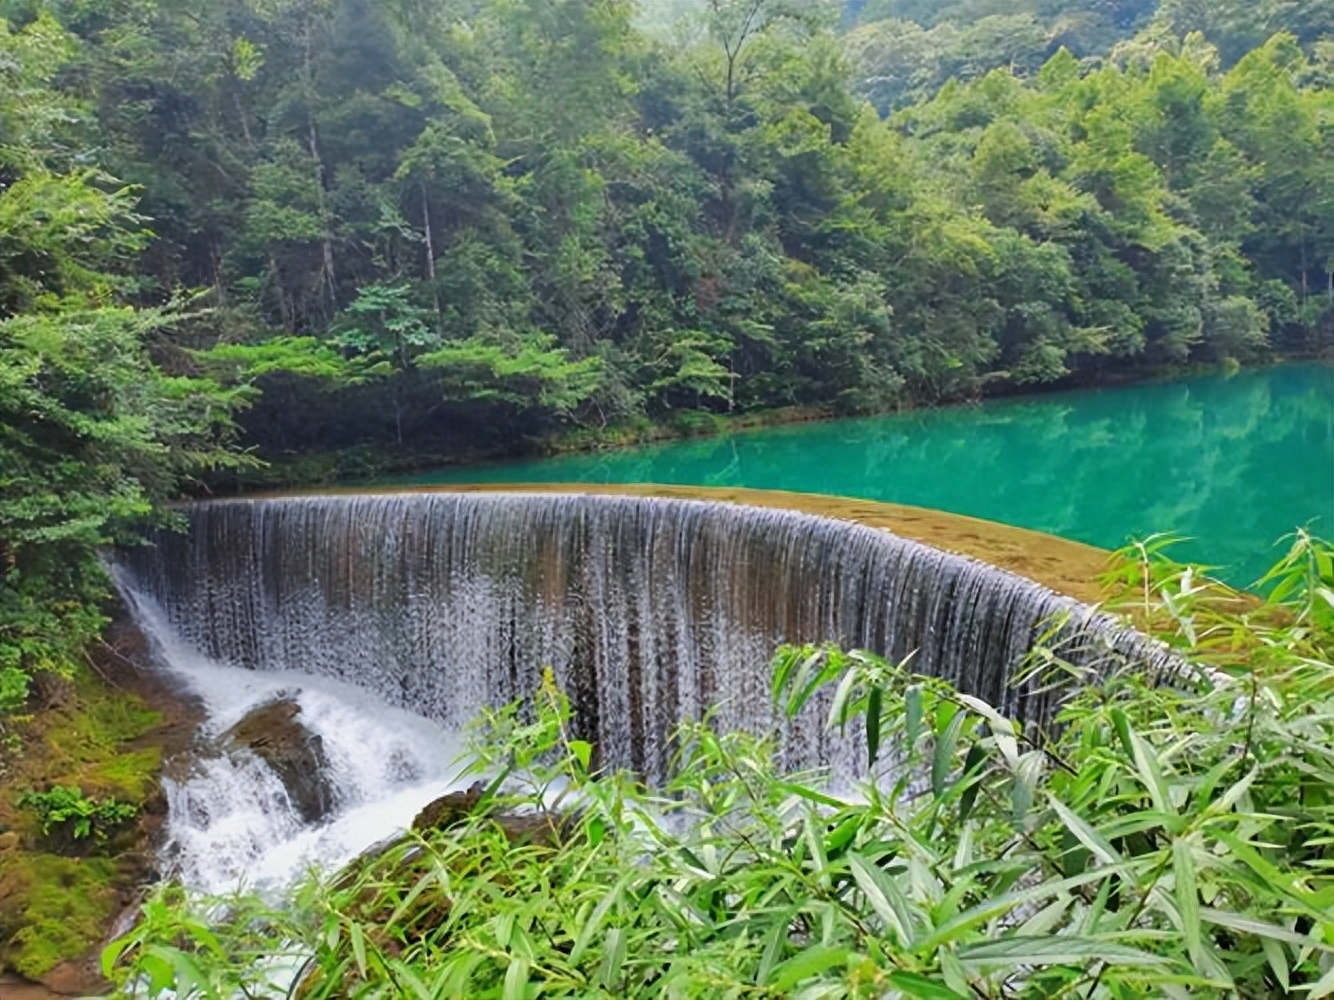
231	822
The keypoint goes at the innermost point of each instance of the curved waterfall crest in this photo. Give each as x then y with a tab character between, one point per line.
651	611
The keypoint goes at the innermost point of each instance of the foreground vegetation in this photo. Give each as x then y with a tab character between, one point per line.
1158	839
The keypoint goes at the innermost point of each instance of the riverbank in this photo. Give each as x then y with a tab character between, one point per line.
374	461
105	732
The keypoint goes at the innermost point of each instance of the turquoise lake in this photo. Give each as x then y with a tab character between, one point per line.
1232	464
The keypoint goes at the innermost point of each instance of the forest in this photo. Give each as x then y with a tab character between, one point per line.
240	235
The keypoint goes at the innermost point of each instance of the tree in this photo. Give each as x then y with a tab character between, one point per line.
93	433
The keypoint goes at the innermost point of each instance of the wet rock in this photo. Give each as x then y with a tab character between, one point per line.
296	755
546	829
13	987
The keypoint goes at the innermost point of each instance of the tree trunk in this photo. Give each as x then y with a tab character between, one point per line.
430	262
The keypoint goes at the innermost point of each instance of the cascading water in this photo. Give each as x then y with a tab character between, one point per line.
650	611
232	820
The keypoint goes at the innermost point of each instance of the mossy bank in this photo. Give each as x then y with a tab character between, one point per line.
103	732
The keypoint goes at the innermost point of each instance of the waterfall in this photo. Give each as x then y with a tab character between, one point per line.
650	611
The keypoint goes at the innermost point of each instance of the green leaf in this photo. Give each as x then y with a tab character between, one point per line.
582	751
990	908
1278	961
1058	950
358	940
884	896
1187	897
873	726
1151	773
912	721
806	964
972	769
516	979
943	759
1261	929
915	985
613	957
599	915
774	943
1100	847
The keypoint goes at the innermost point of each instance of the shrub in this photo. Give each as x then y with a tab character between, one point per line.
65	810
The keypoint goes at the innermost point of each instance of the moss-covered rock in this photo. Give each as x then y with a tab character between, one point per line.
53	908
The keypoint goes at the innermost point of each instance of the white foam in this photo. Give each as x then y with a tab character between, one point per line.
230	821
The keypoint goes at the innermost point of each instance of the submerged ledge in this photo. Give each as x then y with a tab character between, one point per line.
1065	566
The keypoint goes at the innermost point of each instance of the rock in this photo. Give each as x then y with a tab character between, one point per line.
80	978
295	754
13	987
448	810
545	829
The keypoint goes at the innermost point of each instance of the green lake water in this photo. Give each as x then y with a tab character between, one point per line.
1231	463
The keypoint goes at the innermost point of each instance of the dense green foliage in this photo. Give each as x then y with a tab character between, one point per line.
92	430
1170	839
65	810
905	50
449	227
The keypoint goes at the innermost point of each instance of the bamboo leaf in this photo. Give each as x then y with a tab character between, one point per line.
1261	929
357	937
1150	772
597	917
1058	950
943	759
516	980
1084	833
838	705
972	769
996	906
884	896
1278	961
806	964
613	957
1188	905
774	944
912	718
873	726
915	985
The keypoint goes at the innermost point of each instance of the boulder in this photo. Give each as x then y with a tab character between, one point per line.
296	755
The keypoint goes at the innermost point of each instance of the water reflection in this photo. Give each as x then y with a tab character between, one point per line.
1232	463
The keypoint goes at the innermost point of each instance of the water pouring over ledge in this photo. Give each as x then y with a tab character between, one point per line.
651	611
